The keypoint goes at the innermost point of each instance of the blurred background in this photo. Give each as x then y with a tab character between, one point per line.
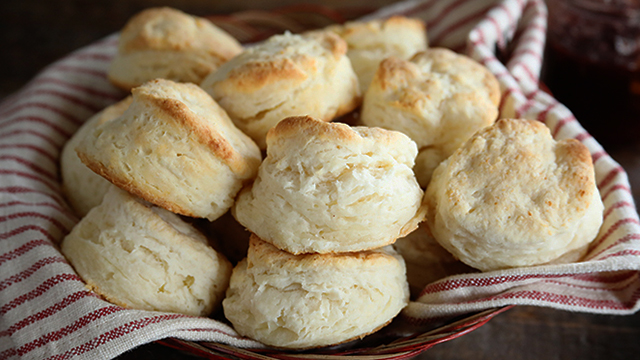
34	33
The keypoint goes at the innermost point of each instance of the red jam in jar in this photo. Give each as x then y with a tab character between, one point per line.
592	65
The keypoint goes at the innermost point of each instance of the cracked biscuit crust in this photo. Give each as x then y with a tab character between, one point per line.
287	75
438	98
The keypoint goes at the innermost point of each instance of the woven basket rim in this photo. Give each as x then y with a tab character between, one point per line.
400	348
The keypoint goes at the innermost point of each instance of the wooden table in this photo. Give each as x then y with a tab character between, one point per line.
35	33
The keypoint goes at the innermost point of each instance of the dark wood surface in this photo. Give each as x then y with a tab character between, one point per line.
34	33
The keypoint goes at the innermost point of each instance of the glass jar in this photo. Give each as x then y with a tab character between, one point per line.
592	65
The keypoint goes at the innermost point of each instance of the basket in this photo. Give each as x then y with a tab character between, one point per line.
48	314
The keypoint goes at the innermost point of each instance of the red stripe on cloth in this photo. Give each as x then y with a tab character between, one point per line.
45	181
486	60
115	334
527	105
23	229
44	137
21	190
39	291
42	106
542	116
50	176
445	11
583	136
532	38
533	77
606	278
63	210
622	240
613	228
598	155
525	51
21	119
14	254
594	288
617	205
531	10
610	176
460	23
561	123
31	270
84	89
50	311
33	214
504	97
38	149
454	284
569	300
622	253
56	94
614	189
501	42
63	332
80	70
507	11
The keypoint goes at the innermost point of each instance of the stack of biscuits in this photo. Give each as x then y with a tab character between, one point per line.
318	216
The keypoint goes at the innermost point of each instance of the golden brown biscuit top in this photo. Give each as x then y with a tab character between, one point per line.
280	59
364	34
301	129
172	30
266	255
209	123
516	169
434	71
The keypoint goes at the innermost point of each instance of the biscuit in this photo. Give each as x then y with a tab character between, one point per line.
327	187
143	257
314	300
438	98
287	75
512	196
174	147
372	41
83	188
426	260
169	44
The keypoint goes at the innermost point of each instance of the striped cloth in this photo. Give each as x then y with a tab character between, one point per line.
47	313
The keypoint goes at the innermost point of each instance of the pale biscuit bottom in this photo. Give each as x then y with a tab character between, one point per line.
144	257
306	301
